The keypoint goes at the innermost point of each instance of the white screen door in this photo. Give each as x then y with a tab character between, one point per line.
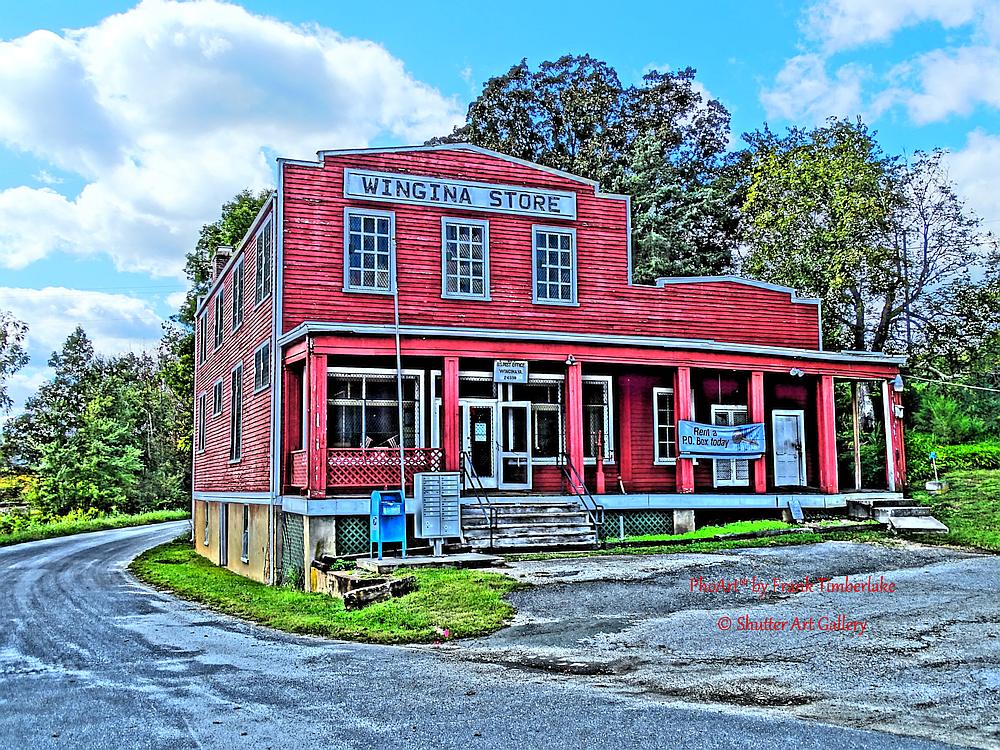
789	447
479	439
731	472
515	445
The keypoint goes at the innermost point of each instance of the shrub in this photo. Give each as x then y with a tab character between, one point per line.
982	455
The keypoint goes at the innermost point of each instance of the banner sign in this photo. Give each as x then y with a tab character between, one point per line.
510	371
475	196
698	440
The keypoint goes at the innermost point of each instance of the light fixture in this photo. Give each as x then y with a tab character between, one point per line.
897	384
570	360
795	372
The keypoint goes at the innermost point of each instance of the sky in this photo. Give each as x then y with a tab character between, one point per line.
124	127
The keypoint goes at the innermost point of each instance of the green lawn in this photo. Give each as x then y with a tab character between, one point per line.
738	527
460	603
970	509
35	530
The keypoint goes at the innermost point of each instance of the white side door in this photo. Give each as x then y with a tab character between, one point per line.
731	472
789	447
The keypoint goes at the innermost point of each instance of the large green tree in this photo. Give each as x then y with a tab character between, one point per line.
658	141
882	240
12	354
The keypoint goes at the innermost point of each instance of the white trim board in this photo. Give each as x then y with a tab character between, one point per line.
246	498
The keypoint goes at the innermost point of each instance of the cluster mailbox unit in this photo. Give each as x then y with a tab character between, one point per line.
529	362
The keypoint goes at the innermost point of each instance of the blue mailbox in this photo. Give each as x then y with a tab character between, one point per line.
388	519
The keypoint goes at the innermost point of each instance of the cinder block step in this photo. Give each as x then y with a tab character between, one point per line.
916	525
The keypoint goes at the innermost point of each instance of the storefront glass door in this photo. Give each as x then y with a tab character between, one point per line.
515	445
479	439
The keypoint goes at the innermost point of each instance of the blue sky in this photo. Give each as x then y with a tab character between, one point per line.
124	127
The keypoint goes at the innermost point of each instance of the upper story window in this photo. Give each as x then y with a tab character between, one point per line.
664	426
236	414
238	286
219	304
554	267
368	251
202	408
262	367
217	398
466	258
263	277
202	338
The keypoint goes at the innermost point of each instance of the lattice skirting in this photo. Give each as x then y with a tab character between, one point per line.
352	537
619	524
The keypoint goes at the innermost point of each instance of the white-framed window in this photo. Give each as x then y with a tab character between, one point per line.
202	338
217	398
263	273
465	258
553	265
208	514
202	409
730	472
597	417
236	414
238	292
245	548
369	255
363	411
664	427
218	307
262	367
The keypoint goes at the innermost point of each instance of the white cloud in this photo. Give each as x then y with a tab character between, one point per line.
974	169
844	24
950	82
47	178
803	90
166	110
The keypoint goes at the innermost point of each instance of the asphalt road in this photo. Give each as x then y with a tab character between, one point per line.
90	658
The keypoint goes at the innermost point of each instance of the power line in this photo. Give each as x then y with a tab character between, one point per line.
955	385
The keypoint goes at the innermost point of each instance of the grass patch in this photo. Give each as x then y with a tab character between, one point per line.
970	509
462	602
36	530
739	527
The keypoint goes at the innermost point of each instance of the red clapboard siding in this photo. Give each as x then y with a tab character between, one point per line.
646	475
212	470
314	246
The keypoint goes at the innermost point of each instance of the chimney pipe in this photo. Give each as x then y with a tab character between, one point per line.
222	255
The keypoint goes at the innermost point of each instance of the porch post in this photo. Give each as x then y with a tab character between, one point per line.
827	429
856	425
898	444
574	417
317	425
757	416
682	408
625	429
450	415
895	466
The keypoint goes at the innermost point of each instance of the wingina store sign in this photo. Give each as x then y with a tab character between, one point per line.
717	441
476	196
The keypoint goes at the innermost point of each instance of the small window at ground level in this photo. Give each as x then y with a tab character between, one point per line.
664	427
262	367
205	536
245	553
465	245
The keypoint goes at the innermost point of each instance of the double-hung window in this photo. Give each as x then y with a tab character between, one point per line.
236	414
465	271
220	299
245	548
664	426
597	417
202	408
238	279
217	398
554	265
369	256
208	511
262	367
202	338
263	273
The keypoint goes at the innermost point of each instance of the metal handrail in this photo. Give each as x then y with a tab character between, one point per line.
579	488
482	497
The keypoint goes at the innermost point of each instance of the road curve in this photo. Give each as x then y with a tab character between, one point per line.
89	658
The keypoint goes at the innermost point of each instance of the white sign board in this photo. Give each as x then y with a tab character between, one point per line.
510	371
474	196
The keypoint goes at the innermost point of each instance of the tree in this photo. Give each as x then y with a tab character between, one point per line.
881	240
658	142
12	354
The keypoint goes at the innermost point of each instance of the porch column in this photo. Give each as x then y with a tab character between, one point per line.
827	429
574	417
625	429
317	424
895	458
856	426
682	408
450	415
898	445
757	416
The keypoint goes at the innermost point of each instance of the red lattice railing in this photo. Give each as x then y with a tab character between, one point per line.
300	469
378	467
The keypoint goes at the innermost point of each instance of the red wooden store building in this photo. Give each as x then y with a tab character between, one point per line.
528	360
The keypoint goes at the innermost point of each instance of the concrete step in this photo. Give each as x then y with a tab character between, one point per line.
861	509
549	529
522	519
882	515
533	507
916	525
540	543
